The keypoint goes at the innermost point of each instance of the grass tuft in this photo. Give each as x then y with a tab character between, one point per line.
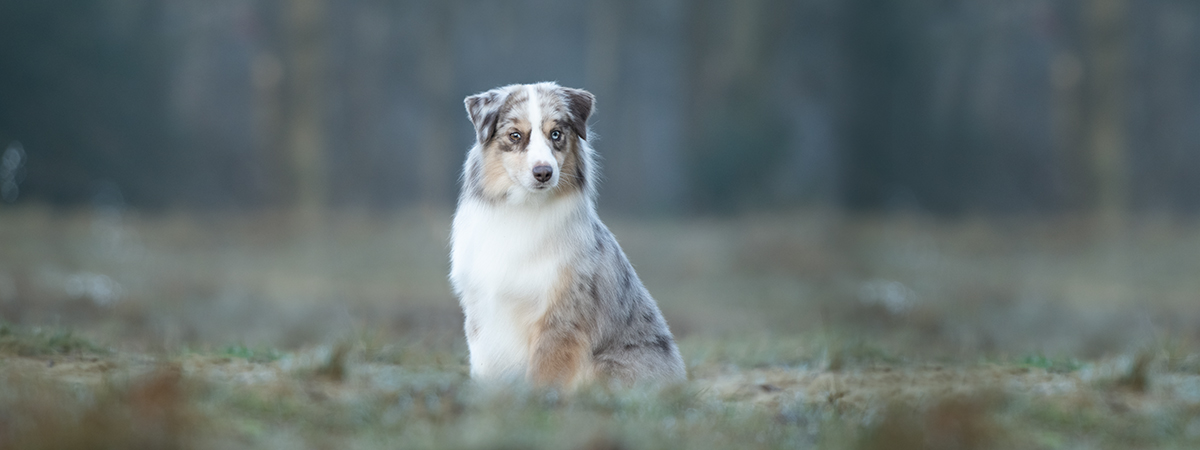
334	368
1138	378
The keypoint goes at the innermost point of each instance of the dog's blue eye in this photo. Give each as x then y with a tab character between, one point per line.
514	136
555	135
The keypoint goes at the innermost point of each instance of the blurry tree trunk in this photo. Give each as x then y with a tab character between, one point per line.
1106	47
877	57
1089	88
436	72
603	47
732	104
266	74
1066	77
608	29
304	127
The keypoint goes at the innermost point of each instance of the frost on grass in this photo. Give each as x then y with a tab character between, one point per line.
806	331
198	399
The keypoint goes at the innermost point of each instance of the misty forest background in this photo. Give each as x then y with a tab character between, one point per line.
870	224
946	107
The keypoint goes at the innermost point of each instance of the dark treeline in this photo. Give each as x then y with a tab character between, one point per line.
944	106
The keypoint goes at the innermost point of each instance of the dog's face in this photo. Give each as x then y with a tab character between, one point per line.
531	141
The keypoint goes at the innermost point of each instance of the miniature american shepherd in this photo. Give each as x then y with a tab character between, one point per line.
547	294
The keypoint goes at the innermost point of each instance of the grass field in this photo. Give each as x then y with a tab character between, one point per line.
804	330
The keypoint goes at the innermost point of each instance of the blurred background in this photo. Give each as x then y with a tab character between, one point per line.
992	175
712	106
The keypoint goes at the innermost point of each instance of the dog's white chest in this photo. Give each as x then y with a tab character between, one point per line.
505	264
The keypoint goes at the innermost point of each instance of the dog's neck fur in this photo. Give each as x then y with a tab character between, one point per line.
506	257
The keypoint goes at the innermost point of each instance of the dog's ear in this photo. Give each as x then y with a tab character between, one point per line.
580	104
483	109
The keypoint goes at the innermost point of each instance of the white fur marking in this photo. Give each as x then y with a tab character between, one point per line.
503	268
539	150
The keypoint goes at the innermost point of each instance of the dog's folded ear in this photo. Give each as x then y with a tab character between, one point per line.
483	109
580	104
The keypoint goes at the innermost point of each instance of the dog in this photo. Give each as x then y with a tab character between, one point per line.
548	296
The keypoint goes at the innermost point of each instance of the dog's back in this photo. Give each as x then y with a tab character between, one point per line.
547	293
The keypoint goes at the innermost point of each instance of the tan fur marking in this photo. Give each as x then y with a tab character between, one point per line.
558	361
495	180
511	124
561	346
569	181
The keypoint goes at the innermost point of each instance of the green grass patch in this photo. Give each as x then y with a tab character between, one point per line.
258	355
1051	364
23	341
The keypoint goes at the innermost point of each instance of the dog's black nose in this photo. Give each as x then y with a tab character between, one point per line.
542	173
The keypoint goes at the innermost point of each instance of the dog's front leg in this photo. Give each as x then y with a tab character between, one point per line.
561	345
560	354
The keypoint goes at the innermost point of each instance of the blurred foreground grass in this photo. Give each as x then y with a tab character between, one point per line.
124	330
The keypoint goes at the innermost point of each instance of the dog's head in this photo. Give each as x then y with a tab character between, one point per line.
531	141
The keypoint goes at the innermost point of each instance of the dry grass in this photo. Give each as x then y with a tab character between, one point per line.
800	331
149	412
